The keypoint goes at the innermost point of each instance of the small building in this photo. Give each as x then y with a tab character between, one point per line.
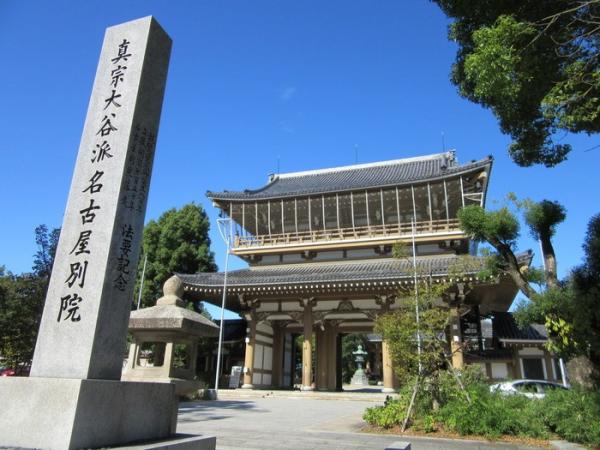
513	352
319	248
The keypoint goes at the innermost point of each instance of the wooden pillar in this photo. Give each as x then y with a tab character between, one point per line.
322	349
331	334
277	379
388	368
307	346
458	361
249	359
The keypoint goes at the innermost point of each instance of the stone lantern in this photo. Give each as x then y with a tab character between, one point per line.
359	377
165	341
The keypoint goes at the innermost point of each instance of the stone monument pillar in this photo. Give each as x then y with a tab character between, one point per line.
74	398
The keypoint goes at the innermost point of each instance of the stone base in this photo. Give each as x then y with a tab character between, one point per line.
177	442
61	413
359	378
388	390
182	387
247	386
307	388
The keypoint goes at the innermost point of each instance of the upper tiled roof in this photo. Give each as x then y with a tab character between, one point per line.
361	176
370	270
506	329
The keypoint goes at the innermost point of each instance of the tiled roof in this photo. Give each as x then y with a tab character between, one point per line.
234	330
370	270
361	176
506	329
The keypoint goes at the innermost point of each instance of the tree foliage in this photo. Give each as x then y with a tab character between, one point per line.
571	311
177	242
22	302
399	328
21	306
47	241
542	219
535	64
500	229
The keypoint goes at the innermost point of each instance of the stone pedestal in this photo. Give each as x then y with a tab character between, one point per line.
73	413
166	325
359	378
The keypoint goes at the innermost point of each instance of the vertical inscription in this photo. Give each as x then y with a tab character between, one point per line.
81	253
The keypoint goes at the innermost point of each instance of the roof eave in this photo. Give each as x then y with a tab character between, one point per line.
243	196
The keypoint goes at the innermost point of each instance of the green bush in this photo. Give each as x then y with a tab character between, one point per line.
493	415
392	412
389	415
574	415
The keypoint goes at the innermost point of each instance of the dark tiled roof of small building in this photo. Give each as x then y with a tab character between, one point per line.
361	176
234	330
317	272
505	328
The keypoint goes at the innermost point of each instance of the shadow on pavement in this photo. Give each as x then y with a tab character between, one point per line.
212	410
229	404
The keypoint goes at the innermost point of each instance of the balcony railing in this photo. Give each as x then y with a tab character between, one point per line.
346	234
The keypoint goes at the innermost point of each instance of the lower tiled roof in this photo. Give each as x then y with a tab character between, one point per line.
332	272
506	329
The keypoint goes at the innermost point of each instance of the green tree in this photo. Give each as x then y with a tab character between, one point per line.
177	242
501	230
44	257
22	300
542	219
21	305
586	287
535	64
571	311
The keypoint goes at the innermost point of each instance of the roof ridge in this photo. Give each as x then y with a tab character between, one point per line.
449	154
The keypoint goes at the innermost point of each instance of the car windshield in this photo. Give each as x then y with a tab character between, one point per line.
528	388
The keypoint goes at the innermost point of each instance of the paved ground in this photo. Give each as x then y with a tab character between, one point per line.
273	422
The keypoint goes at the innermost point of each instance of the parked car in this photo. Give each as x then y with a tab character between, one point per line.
8	372
528	388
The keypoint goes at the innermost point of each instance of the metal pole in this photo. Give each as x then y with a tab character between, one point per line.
142	282
417	316
563	372
226	237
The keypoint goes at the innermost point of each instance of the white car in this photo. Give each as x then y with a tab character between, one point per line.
528	388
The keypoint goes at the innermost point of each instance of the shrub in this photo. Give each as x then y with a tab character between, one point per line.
493	415
389	415
574	415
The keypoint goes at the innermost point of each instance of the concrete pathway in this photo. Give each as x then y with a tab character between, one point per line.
275	422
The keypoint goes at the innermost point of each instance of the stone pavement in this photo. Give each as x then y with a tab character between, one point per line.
261	421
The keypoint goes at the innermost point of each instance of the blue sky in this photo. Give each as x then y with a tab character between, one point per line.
309	84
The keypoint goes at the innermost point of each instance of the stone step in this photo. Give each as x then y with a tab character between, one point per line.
230	394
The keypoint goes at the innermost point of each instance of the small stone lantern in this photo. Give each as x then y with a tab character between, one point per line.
359	377
161	330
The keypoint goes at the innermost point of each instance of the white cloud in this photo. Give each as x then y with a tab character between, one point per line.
288	93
